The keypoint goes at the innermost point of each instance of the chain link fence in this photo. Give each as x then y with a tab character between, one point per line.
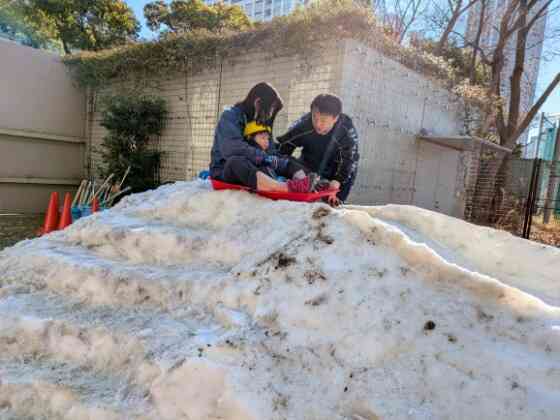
543	220
521	196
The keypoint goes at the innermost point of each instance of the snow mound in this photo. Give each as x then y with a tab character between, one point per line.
186	303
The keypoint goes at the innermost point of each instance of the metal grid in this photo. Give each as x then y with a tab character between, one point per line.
521	196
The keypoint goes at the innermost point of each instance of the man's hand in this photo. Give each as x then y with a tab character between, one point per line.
334	201
334	185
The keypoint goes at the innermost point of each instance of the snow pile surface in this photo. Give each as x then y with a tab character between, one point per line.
185	303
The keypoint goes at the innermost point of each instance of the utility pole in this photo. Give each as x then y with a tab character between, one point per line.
553	178
541	125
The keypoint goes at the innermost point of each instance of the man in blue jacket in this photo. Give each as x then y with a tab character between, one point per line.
236	161
329	144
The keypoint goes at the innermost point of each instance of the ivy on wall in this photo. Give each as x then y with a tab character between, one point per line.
306	33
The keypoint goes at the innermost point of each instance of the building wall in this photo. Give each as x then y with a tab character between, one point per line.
263	10
389	105
42	123
196	101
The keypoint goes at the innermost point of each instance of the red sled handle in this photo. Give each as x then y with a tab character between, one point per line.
275	195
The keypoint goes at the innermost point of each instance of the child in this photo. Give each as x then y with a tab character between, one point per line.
258	135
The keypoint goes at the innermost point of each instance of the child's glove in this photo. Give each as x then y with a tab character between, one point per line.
276	163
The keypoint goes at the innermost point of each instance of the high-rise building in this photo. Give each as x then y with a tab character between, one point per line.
489	38
548	125
264	9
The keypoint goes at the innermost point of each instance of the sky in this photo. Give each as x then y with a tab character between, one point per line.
138	7
546	73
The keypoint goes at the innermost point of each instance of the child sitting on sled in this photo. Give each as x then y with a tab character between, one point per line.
258	135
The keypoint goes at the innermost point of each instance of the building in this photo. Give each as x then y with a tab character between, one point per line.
489	38
546	144
264	9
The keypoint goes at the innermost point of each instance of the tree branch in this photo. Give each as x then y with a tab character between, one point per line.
468	6
535	108
538	15
474	46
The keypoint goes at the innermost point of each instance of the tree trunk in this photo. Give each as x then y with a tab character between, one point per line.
442	43
517	74
506	31
65	46
476	46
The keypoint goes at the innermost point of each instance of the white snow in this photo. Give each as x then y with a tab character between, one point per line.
186	303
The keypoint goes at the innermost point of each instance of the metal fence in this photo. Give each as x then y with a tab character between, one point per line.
543	209
521	196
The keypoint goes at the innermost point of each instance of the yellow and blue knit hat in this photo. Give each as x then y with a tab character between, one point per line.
254	128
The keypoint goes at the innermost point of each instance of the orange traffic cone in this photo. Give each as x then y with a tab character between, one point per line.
51	219
66	218
94	205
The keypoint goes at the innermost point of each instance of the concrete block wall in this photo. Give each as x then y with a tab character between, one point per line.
196	100
389	105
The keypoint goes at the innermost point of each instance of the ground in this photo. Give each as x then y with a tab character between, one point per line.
187	303
546	233
16	227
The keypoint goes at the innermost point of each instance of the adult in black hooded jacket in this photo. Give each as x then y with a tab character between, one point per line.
329	143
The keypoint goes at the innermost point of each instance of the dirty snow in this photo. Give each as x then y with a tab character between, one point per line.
185	303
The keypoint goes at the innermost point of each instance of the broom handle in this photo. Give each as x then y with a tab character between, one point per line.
91	190
78	193
104	184
84	195
112	197
107	193
124	176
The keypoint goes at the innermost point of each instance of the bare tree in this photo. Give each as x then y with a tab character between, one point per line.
476	42
511	122
449	16
398	15
510	29
514	26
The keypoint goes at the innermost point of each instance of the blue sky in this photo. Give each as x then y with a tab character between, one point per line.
547	70
138	7
546	74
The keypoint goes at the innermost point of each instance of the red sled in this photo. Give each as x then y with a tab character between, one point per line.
275	195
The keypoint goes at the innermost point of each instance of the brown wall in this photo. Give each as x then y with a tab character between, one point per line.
42	128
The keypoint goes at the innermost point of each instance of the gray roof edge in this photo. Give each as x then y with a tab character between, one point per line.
461	142
490	144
